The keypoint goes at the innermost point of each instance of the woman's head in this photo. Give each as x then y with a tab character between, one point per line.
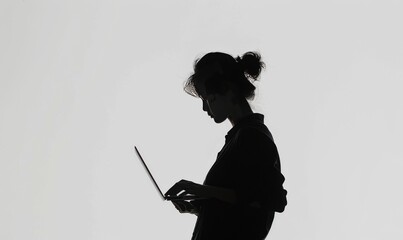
224	83
217	73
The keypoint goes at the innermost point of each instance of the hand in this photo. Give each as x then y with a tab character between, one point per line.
184	187
185	207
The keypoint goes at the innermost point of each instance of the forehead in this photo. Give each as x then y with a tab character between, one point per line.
202	75
199	84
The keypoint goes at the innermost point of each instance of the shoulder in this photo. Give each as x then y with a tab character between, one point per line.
255	139
256	145
254	133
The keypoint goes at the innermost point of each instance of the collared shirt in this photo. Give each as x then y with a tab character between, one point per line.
249	164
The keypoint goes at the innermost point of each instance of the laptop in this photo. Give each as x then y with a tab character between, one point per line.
164	197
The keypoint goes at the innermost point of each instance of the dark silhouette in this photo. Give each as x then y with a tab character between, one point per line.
243	189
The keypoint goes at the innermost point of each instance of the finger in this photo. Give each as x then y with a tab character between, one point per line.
183	192
184	205
181	186
190	187
177	206
180	206
177	187
174	189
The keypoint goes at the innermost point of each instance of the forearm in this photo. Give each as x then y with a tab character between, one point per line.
223	194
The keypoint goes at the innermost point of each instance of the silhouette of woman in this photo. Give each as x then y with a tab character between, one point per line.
243	189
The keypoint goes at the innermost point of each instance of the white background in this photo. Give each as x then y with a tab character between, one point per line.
82	81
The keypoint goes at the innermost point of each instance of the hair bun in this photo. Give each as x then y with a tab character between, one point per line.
251	64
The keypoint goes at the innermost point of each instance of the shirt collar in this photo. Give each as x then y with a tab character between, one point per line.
253	119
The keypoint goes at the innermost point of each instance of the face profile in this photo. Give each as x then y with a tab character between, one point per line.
218	106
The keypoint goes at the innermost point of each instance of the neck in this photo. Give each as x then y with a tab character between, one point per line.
240	111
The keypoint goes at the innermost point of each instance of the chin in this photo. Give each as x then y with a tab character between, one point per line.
219	120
